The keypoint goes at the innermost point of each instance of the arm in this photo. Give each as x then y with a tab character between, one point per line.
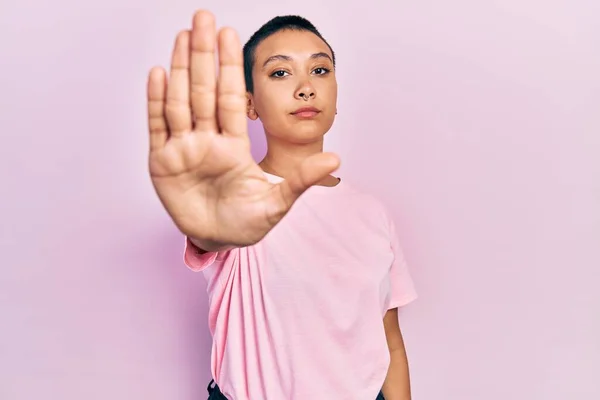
200	162
206	246
397	381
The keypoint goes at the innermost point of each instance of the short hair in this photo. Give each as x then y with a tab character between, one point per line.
280	23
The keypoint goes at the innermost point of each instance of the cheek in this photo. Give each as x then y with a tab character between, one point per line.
327	89
269	103
268	108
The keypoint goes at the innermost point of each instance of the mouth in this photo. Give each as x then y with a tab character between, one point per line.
306	112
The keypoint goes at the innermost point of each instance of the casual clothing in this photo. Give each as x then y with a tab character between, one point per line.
301	311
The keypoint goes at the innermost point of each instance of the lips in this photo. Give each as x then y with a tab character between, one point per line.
306	112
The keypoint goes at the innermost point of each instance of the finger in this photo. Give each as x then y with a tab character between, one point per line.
311	171
231	101
203	73
178	112
157	124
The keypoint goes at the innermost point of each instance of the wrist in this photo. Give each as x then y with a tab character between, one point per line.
202	246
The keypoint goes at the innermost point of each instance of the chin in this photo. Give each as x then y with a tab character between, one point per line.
306	134
299	136
301	132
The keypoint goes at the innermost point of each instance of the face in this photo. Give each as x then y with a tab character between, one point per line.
293	70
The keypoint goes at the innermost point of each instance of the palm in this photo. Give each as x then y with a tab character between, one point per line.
211	181
200	162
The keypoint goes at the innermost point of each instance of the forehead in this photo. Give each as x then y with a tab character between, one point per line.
293	43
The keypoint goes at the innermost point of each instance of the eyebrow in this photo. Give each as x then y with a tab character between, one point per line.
281	57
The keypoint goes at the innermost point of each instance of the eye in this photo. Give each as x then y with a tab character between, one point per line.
321	71
278	74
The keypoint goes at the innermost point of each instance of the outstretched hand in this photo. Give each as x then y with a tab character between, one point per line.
200	161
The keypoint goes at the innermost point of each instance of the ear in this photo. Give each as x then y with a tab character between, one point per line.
250	110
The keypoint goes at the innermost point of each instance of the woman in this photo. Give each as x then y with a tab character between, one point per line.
305	273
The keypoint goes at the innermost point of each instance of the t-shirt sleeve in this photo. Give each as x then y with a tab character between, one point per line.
402	285
195	260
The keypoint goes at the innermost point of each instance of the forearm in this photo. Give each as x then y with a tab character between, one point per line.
205	246
397	381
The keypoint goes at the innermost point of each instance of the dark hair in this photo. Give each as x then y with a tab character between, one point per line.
285	22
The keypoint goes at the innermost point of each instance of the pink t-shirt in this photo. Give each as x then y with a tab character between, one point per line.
299	315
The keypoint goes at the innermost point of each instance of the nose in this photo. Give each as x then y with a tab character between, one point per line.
306	92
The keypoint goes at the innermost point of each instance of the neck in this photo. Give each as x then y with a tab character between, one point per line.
283	158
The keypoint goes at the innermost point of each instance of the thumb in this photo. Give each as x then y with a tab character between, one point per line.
310	172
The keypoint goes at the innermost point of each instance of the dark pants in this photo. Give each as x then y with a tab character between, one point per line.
214	393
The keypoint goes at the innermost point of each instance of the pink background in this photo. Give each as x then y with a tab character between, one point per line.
477	122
